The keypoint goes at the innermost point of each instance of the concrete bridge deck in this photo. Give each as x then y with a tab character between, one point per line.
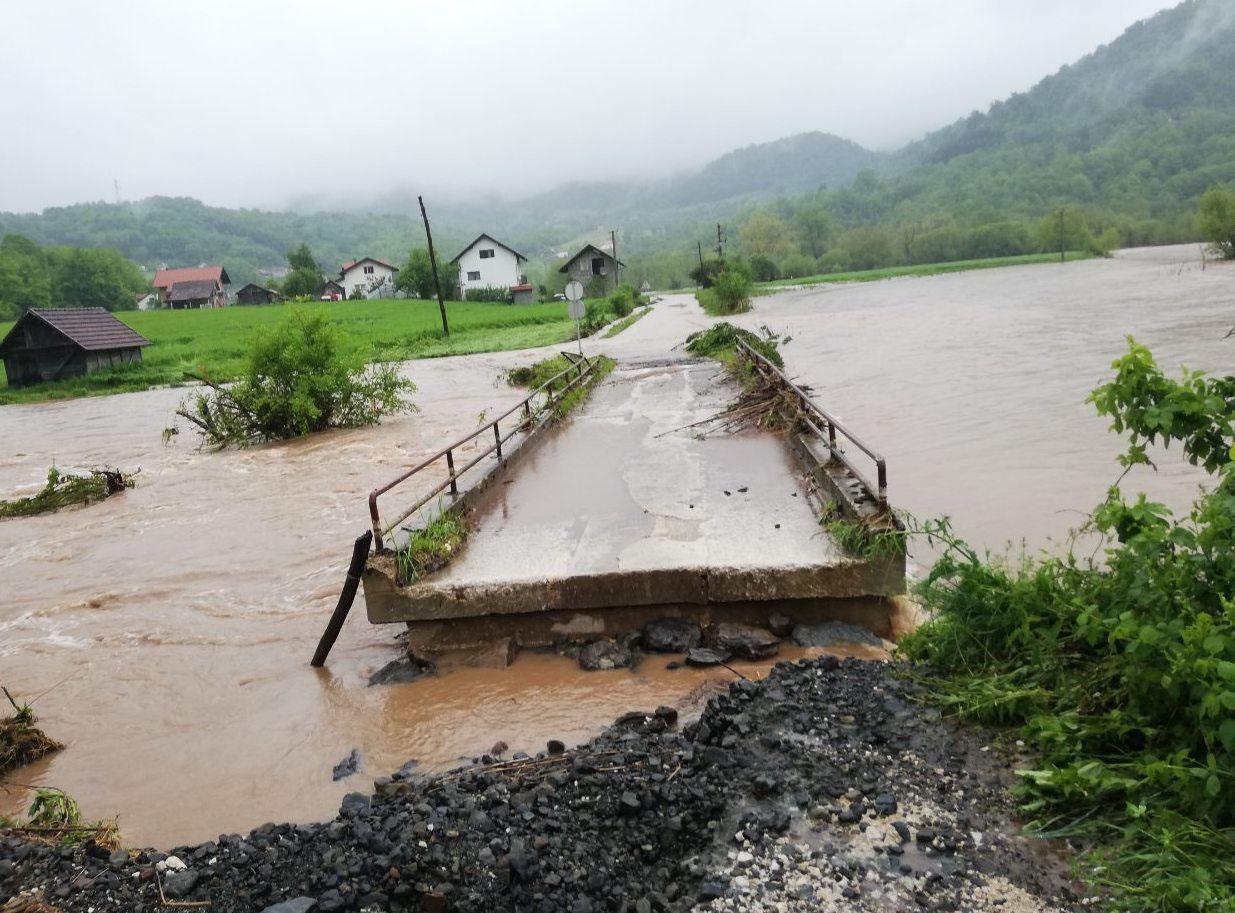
619	514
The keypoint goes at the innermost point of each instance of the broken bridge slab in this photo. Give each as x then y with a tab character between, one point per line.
626	507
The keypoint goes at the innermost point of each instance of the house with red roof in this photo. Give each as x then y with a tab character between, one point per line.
370	276
191	277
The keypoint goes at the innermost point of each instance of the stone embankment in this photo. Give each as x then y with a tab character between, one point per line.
826	786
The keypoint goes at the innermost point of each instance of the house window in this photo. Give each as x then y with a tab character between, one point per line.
368	271
486	254
473	275
598	266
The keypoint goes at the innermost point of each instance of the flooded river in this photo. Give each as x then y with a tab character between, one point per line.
166	632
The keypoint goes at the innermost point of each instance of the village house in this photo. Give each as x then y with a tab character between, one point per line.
332	291
487	263
367	275
164	279
197	293
57	343
594	268
256	294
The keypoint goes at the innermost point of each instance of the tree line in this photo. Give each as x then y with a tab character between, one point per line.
32	276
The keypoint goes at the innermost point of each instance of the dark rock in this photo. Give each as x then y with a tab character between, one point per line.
831	633
295	905
331	902
671	635
668	714
712	888
553	746
347	766
180	884
780	624
744	641
605	654
402	670
885	804
703	656
354	804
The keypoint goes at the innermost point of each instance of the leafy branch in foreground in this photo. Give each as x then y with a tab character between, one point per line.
299	378
1120	674
65	489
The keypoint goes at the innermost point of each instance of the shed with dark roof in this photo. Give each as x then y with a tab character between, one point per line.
196	293
58	343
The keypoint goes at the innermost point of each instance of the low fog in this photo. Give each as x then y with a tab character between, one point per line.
262	103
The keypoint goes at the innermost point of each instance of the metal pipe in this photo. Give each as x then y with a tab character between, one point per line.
360	556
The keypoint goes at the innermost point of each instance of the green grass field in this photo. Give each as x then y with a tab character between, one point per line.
388	330
922	269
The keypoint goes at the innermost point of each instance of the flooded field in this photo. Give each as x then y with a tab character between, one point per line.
166	632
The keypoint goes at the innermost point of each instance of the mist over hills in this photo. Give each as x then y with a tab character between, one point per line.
1133	133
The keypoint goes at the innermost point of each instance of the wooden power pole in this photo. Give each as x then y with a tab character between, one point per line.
720	243
437	283
617	269
699	244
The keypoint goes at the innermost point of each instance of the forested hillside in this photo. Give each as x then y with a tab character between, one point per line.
1125	141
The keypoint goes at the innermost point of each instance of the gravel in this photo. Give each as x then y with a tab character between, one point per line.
824	787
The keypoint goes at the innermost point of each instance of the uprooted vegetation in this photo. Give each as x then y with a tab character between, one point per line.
761	403
55	818
66	489
430	548
1120	672
536	375
21	742
720	341
299	378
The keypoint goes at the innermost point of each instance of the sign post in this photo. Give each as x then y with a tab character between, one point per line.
576	310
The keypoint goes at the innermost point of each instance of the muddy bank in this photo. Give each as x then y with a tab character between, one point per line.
823	787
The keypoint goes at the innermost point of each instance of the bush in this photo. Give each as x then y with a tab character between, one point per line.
763	269
705	273
1120	673
730	292
493	293
624	300
798	266
533	375
1217	221
298	378
836	260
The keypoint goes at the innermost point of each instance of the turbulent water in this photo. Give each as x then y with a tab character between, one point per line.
166	632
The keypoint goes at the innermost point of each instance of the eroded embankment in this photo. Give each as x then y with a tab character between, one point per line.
823	787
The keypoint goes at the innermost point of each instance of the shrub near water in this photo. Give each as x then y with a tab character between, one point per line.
1120	675
730	292
299	378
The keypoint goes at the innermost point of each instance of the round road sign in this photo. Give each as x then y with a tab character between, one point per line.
574	290
576	310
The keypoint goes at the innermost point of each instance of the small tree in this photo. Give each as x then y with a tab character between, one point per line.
416	277
1216	220
764	268
306	278
299	377
1065	230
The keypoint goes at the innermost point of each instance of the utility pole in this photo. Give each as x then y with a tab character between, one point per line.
1062	256
720	243
437	283
699	244
617	269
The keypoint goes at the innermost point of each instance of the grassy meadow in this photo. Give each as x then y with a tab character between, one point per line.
387	330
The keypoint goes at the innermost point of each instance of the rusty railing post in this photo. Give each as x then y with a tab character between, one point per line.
450	468
497	437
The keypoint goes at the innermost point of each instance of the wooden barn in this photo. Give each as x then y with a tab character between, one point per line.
256	294
595	268
57	343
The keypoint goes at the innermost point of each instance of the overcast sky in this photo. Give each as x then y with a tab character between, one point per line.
260	102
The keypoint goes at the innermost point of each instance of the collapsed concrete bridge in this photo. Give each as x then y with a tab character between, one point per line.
622	514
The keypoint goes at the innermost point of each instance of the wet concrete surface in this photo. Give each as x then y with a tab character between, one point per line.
165	634
622	488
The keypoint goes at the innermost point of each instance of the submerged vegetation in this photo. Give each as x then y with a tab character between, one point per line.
430	548
1119	673
65	489
720	341
299	378
21	742
533	375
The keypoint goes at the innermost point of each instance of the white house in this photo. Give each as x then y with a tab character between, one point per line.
487	263
367	274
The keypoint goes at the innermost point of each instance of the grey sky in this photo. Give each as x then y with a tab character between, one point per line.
257	102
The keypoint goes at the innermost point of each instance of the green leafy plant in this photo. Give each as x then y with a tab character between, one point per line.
730	292
1119	673
431	548
300	377
720	341
865	539
65	489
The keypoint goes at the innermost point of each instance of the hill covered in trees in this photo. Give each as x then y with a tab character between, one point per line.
1124	142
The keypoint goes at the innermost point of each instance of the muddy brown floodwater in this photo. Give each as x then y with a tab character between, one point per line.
165	633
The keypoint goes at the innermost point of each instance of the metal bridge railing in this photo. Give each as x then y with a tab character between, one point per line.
826	428
552	390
